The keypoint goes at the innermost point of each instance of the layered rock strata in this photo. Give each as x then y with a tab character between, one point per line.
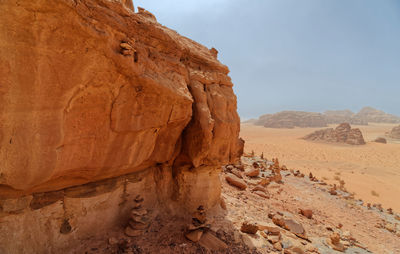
92	92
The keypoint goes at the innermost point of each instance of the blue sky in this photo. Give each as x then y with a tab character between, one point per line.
311	55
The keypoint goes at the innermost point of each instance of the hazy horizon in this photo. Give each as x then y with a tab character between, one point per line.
298	55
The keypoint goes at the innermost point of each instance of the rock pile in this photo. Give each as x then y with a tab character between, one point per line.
342	134
139	221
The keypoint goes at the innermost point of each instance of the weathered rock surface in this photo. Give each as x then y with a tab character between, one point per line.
291	119
342	134
102	92
92	93
395	132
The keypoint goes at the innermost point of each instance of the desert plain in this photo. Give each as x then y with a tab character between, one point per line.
371	171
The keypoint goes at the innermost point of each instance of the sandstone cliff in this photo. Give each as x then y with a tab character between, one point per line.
341	134
291	119
96	99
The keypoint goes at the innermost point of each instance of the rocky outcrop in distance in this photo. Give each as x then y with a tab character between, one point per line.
291	119
103	103
395	132
343	134
376	116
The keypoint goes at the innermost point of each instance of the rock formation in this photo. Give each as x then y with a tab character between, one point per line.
395	132
377	116
291	119
343	116
341	134
99	102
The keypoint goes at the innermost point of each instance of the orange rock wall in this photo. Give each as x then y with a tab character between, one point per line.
74	109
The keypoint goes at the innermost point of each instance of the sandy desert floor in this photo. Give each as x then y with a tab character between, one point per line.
371	171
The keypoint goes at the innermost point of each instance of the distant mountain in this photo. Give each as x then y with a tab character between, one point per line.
343	116
377	116
291	119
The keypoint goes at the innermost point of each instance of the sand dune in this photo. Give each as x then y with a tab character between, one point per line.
372	171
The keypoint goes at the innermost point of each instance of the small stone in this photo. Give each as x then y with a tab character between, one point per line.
132	232
333	192
306	213
112	240
278	246
335	238
261	194
273	238
137	225
139	199
249	228
390	227
253	172
236	181
194	235
237	173
211	242
125	45
138	212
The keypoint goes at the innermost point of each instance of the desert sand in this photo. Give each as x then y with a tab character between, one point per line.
371	171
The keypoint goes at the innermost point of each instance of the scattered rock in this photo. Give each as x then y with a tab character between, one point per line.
306	213
211	242
278	246
237	173
335	243
236	181
254	172
249	228
261	194
194	235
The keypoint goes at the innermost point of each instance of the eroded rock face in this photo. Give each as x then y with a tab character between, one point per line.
291	119
342	134
97	105
91	90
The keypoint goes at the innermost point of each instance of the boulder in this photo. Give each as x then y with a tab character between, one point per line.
249	228
236	181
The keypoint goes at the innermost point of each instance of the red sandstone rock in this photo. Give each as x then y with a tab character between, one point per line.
112	94
249	228
253	172
306	213
236	181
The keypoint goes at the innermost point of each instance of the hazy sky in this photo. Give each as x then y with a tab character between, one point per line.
310	55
